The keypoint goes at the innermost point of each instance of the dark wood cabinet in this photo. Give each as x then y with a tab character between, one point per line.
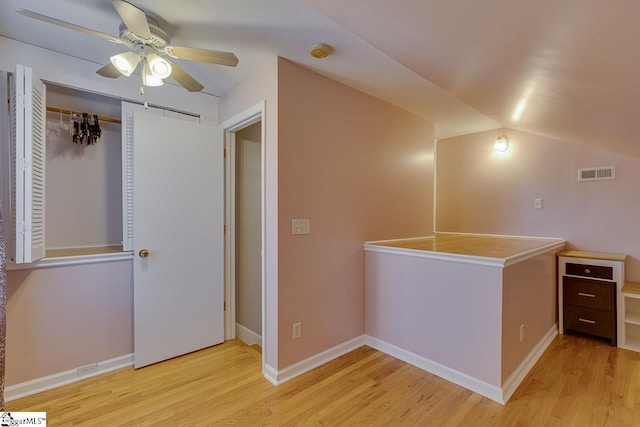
589	306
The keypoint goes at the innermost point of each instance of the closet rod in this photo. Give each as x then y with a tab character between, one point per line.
100	118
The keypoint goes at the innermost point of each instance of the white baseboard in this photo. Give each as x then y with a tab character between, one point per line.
491	391
290	372
247	336
497	394
38	385
270	374
511	384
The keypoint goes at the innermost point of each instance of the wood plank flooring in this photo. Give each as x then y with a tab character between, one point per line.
577	382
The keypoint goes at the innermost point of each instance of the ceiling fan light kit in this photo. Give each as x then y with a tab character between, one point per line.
159	66
125	62
148	77
148	44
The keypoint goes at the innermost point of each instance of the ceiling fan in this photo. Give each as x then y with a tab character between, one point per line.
148	44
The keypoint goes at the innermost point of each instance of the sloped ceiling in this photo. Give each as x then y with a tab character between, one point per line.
570	65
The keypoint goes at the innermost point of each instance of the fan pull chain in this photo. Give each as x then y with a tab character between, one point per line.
146	104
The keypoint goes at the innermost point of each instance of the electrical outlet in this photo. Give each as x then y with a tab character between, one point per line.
300	226
538	203
297	330
522	332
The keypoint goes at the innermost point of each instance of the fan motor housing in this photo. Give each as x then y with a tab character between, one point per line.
158	41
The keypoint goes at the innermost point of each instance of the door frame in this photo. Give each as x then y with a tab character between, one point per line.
230	126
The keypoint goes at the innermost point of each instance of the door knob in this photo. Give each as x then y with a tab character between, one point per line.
143	253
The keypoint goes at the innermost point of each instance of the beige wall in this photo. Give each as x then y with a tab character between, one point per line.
262	86
61	318
248	230
360	169
529	298
479	193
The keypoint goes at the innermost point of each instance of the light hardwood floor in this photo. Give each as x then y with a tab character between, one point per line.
577	382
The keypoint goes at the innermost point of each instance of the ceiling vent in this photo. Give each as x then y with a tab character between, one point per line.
597	174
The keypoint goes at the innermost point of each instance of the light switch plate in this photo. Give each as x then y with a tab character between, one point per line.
538	203
300	226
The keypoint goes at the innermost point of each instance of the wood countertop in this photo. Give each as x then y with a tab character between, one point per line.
473	245
594	255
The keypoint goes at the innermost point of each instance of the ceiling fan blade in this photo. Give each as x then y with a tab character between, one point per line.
203	55
134	18
50	20
109	71
184	78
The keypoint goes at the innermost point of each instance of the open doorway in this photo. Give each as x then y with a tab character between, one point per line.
248	233
244	219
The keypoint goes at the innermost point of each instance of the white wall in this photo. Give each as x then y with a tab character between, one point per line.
84	183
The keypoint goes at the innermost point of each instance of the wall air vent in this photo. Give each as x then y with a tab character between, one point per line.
597	174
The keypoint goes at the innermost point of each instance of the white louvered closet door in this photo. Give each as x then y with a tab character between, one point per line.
28	148
128	109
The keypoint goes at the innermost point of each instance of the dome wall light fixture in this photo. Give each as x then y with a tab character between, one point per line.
502	143
125	62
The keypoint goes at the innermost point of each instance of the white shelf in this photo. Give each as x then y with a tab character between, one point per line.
632	317
632	343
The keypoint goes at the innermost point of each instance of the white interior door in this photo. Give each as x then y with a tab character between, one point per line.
178	217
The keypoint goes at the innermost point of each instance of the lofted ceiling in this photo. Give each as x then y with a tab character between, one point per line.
568	67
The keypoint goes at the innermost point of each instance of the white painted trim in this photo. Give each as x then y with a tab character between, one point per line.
477	386
271	374
464	259
247	336
534	253
499	235
515	379
245	118
73	260
434	206
230	236
252	115
441	256
304	366
84	246
63	378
